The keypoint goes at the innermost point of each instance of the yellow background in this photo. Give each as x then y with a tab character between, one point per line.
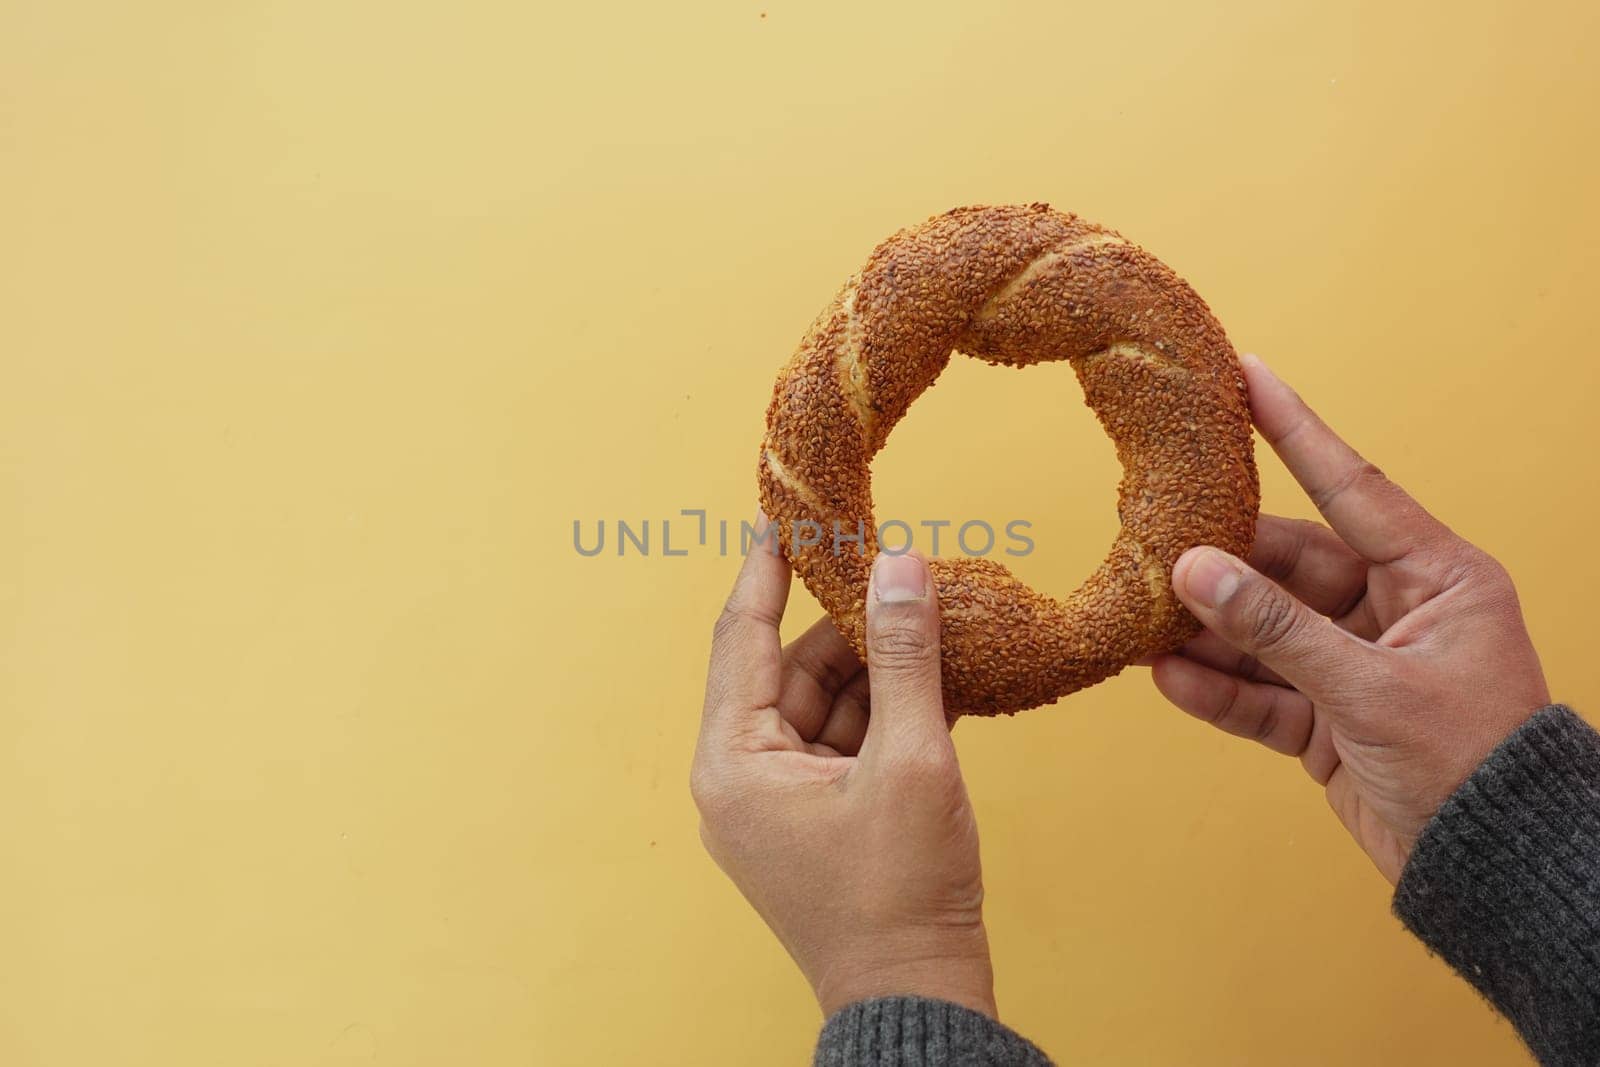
321	322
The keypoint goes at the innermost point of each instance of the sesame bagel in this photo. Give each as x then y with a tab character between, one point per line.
1017	285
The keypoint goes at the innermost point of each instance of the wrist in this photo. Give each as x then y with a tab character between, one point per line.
951	968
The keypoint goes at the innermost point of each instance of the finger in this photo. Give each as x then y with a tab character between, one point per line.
1209	650
788	739
1313	565
903	663
1311	562
817	666
1279	718
1374	516
1256	615
1362	620
846	726
746	651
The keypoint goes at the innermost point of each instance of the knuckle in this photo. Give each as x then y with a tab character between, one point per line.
828	675
1368	475
1266	725
902	645
1219	711
728	620
1270	619
1247	665
1472	566
1493	574
741	610
1363	473
1280	557
724	622
1501	593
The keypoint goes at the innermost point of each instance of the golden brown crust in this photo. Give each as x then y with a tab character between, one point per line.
1019	285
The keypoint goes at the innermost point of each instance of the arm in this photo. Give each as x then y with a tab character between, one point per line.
1504	884
1390	657
855	841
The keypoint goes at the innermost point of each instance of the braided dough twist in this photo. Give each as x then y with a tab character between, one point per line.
1018	285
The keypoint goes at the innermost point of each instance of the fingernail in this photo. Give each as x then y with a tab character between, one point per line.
897	579
1258	363
1211	576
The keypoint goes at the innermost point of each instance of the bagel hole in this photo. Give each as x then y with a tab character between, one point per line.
1001	445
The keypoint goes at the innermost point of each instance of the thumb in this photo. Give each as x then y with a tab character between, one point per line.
1257	616
903	661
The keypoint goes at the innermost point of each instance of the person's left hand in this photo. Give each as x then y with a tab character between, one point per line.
850	834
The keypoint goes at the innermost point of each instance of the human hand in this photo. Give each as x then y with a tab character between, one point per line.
853	839
1387	653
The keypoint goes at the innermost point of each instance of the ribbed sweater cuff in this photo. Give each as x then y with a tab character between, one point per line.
1504	884
917	1032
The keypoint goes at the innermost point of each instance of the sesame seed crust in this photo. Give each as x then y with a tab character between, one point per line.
1018	285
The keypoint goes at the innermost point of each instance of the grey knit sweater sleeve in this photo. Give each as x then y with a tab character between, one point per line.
918	1032
1504	884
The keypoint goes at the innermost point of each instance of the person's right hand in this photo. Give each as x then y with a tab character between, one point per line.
1387	653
